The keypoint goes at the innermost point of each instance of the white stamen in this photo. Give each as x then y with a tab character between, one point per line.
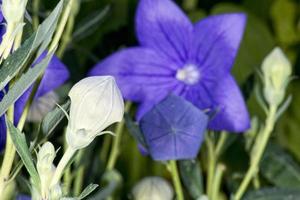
189	74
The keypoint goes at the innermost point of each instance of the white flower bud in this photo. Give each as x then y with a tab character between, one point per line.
56	192
13	10
153	188
276	71
45	166
96	103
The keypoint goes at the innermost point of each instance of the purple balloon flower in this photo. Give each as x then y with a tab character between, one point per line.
190	60
55	75
174	129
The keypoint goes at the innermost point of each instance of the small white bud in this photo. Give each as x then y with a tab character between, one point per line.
45	166
96	103
153	188
276	71
14	10
56	192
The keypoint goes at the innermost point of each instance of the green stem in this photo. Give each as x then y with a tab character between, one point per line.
61	26
259	146
176	179
35	18
116	142
105	148
217	182
62	165
67	36
78	181
211	165
221	142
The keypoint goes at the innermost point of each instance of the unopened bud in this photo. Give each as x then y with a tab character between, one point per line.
96	103
276	72
13	10
56	192
153	188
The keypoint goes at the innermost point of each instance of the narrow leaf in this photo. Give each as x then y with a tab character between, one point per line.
19	141
53	118
279	168
16	61
23	84
87	191
191	175
273	194
134	130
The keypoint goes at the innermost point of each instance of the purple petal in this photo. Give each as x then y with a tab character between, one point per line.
141	73
162	25
2	127
2	132
232	115
23	197
174	129
55	75
216	42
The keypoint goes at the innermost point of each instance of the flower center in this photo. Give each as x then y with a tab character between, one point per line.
189	74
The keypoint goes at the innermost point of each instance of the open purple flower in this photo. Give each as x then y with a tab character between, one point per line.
192	61
55	75
174	129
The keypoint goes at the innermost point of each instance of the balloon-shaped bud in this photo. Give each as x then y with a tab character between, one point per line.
96	103
153	188
276	70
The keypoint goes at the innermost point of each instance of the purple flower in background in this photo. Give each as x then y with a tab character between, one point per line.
174	129
23	197
55	75
175	56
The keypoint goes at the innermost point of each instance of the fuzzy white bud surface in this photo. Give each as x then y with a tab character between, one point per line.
96	103
153	188
276	70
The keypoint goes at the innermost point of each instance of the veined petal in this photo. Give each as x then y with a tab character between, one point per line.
140	73
163	26
174	129
216	42
232	114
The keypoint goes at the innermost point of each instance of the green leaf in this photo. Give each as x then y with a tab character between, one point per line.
24	83
87	191
19	141
16	61
279	168
90	24
273	194
191	175
53	118
134	130
114	179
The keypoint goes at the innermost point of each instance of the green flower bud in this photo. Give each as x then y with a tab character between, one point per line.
153	188
276	70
